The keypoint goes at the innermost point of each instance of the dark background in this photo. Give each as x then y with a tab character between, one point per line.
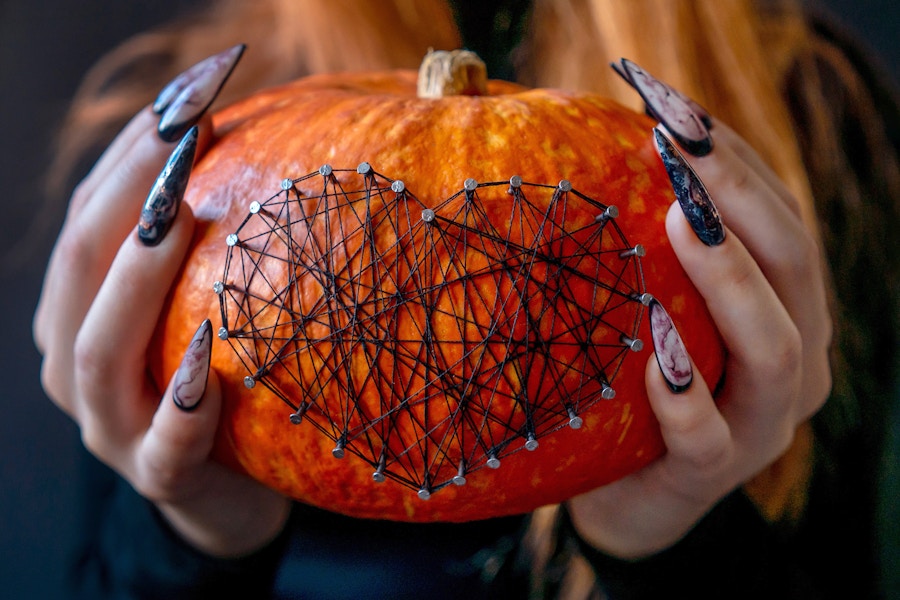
45	48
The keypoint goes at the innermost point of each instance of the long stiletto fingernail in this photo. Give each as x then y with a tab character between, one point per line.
190	379
165	196
688	122
671	355
694	199
183	101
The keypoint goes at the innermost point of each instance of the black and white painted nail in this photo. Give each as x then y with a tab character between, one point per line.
189	384
688	122
671	354
183	101
692	196
161	206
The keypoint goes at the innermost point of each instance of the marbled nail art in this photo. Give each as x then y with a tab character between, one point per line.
186	98
189	384
687	121
671	355
165	196
694	199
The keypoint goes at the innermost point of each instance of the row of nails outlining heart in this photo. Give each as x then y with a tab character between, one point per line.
186	98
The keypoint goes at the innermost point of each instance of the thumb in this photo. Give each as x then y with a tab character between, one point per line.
181	435
694	431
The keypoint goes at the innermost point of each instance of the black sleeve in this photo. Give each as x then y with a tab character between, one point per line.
731	553
128	551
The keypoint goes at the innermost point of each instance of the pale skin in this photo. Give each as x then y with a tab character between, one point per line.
763	285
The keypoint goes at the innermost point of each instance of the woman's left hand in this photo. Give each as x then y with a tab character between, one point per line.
765	288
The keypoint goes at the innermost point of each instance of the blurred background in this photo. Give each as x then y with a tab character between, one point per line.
45	48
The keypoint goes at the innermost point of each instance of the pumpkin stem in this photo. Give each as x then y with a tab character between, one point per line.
452	73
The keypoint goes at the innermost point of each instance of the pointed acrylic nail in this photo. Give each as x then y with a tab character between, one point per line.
687	121
186	98
165	196
694	199
671	355
189	384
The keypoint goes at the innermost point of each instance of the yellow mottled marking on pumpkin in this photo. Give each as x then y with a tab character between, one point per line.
622	139
563	151
511	110
627	419
638	167
636	204
568	460
678	303
592	421
573	110
495	141
409	508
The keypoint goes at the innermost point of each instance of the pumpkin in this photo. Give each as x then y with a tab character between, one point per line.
430	296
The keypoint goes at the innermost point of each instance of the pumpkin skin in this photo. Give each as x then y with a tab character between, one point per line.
433	145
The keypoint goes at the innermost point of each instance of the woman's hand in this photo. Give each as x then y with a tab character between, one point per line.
762	278
103	293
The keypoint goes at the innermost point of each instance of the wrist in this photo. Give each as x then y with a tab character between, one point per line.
634	534
223	528
731	543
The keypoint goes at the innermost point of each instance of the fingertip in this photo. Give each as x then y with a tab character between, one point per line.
175	238
190	380
671	354
184	428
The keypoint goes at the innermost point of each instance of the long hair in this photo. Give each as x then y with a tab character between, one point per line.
757	65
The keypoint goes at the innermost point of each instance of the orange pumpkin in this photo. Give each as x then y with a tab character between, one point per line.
431	305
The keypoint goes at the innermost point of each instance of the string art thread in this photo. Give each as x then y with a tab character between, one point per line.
431	340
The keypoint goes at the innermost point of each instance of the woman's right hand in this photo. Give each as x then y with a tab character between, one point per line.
102	297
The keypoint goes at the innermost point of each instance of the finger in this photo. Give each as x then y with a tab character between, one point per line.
104	207
785	251
142	123
203	500
116	201
764	344
110	346
181	435
697	437
72	284
751	200
100	216
74	251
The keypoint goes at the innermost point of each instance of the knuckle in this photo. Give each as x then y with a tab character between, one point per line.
54	382
94	440
782	439
744	181
706	445
93	370
782	360
711	458
808	258
85	363
800	258
161	480
80	195
74	251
